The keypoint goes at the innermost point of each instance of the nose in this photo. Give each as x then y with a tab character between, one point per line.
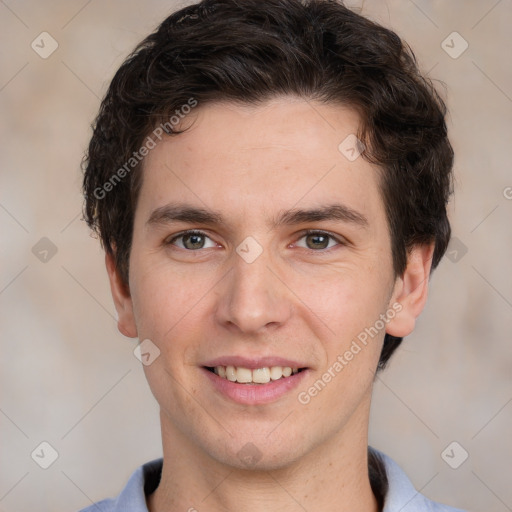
252	298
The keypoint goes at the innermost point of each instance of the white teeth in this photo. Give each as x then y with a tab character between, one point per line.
243	375
231	373
261	375
276	372
256	376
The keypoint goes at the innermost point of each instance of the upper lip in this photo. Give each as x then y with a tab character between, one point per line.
254	362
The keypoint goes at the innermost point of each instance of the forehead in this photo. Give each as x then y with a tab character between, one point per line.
245	159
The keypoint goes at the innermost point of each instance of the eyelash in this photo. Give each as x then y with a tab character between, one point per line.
184	233
320	232
303	235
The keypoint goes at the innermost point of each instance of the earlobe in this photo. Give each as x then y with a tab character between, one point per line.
122	299
411	291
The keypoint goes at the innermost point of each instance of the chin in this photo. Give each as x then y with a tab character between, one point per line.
252	458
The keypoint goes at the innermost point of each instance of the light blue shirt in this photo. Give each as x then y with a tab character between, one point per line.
401	495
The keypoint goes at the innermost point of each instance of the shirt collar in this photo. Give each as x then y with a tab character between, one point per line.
401	494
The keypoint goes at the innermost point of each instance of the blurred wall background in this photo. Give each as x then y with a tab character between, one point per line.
68	378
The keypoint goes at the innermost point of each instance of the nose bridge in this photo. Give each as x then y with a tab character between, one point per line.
253	298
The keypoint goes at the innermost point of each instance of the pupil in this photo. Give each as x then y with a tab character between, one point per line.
317	241
193	241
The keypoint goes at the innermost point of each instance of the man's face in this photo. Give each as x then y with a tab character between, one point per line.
289	261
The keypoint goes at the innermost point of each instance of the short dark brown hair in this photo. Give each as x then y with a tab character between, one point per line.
249	52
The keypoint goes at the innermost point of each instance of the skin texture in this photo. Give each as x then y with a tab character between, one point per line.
249	164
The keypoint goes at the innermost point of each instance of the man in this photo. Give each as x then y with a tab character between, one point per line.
269	180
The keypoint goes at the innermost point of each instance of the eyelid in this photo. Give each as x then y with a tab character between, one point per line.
340	240
172	238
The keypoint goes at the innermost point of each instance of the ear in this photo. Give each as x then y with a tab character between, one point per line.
411	291
122	299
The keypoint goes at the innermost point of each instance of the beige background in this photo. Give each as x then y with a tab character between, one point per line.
69	378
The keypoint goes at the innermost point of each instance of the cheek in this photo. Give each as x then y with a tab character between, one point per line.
169	312
169	305
346	301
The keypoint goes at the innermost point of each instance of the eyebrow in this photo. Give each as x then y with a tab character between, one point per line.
170	213
338	212
183	213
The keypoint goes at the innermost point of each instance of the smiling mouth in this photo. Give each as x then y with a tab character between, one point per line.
253	376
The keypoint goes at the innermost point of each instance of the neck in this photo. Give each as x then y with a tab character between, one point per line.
332	477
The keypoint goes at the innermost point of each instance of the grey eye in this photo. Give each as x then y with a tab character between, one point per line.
317	241
192	241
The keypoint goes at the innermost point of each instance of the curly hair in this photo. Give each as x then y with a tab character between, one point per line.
254	50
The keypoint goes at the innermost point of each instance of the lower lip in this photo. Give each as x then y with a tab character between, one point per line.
255	394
